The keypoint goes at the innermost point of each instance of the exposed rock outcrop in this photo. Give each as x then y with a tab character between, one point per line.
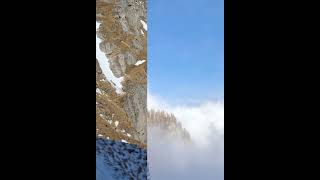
123	40
168	125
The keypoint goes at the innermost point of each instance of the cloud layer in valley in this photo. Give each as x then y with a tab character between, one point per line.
200	120
203	158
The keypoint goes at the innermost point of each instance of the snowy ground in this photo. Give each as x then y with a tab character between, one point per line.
103	171
144	24
120	161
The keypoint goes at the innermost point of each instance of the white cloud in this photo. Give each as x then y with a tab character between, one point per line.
171	159
203	159
199	120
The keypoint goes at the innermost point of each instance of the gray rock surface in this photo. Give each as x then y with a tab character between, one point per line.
136	108
124	45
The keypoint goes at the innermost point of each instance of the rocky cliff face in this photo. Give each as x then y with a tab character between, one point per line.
112	121
121	98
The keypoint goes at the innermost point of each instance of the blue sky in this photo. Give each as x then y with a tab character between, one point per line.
186	50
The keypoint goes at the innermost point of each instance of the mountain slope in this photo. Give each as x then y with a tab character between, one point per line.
112	121
167	125
121	79
121	90
120	161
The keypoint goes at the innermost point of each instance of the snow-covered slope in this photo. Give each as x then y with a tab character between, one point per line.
103	171
120	161
105	66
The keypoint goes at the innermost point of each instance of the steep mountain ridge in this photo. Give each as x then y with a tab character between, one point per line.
168	125
121	39
121	90
111	120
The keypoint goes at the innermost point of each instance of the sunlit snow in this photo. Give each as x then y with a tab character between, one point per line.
105	66
140	62
144	25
